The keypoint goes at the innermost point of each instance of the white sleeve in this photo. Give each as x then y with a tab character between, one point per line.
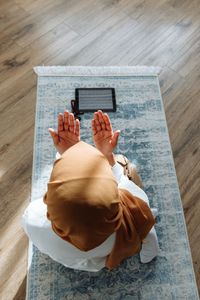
58	155
117	171
33	220
124	182
23	221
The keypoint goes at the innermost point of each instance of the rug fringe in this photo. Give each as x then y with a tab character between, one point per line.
97	70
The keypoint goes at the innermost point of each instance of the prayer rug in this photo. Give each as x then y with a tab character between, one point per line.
145	141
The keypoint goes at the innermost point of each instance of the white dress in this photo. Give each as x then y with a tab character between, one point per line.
38	229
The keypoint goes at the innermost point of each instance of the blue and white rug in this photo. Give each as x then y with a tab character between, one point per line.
144	140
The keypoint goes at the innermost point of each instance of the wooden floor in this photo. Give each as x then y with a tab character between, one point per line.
165	33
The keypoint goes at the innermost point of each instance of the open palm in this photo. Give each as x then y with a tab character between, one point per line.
104	138
68	133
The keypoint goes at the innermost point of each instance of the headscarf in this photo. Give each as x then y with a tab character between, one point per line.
85	205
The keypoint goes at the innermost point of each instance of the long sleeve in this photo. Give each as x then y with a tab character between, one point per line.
124	182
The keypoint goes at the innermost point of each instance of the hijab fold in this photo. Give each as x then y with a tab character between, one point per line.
85	205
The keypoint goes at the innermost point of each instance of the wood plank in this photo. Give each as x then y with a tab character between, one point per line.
49	45
36	53
146	36
94	15
13	13
33	27
35	7
17	90
117	34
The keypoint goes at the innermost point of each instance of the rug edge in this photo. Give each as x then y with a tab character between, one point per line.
97	70
180	199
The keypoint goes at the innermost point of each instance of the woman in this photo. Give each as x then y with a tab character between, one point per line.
92	216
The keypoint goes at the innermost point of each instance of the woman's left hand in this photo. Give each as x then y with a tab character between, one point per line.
104	138
68	133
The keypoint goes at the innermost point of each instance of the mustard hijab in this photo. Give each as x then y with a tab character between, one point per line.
85	205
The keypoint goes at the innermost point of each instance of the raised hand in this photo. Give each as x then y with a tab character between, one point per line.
104	138
68	133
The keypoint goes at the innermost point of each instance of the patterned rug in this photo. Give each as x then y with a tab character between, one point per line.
144	140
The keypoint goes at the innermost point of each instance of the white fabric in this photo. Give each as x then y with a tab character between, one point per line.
97	71
39	230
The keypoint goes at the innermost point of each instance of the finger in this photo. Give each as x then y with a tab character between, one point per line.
94	130
54	136
77	129
71	122
107	122
97	123
101	120
115	137
60	123
66	120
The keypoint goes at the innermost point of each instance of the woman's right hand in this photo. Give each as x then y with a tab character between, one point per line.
68	133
